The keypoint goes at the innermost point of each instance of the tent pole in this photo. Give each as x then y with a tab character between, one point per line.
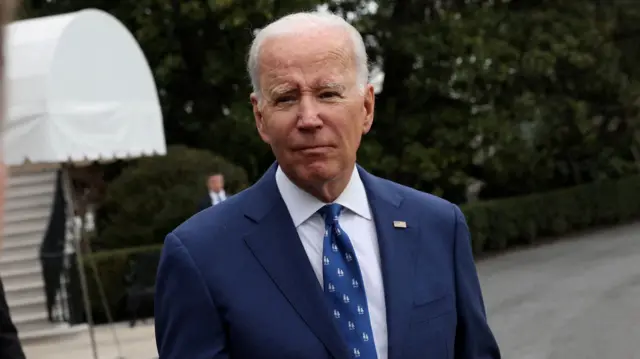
68	194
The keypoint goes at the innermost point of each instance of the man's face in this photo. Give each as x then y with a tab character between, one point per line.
215	183
312	112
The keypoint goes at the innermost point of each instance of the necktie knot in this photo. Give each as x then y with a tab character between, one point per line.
330	212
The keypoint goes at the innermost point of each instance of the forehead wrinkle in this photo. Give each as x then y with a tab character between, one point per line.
282	75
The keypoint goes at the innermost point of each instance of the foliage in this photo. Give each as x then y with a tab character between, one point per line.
113	267
505	223
524	96
156	194
523	99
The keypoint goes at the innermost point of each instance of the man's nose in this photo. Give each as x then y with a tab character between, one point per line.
308	115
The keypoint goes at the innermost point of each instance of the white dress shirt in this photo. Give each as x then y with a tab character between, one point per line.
357	221
217	197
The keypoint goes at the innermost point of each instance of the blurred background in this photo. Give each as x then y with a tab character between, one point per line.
523	112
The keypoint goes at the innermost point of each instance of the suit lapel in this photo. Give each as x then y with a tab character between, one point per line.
398	248
276	245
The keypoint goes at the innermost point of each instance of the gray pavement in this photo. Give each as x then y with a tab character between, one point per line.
574	299
136	343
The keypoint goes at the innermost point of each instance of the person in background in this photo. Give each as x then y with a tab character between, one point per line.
10	347
215	185
319	259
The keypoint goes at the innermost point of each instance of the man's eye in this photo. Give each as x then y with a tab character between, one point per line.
329	94
285	99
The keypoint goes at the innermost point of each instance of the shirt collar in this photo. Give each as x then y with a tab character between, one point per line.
302	205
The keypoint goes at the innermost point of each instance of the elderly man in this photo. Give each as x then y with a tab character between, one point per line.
319	259
10	347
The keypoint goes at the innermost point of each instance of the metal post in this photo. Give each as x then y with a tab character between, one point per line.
68	194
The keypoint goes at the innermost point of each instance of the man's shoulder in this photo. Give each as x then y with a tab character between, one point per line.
414	197
216	223
420	205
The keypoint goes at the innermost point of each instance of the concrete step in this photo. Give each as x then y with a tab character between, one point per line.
19	193
22	241
25	249
36	227
19	262
23	216
26	179
29	203
54	331
24	291
14	277
27	306
32	321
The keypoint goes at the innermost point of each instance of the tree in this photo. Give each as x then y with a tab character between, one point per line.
523	96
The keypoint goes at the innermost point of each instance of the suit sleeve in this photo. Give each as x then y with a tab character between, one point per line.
187	322
474	339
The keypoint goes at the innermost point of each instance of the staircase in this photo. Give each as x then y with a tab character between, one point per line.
28	200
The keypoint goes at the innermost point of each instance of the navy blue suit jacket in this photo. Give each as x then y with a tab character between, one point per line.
235	282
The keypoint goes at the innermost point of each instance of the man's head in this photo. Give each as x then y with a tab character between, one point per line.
215	182
312	101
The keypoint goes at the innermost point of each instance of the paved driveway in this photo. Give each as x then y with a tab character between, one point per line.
136	343
576	299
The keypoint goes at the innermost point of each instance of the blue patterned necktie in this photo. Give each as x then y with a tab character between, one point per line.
344	288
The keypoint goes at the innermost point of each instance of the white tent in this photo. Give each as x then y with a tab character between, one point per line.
79	88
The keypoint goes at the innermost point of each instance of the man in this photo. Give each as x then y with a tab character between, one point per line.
10	347
215	185
319	259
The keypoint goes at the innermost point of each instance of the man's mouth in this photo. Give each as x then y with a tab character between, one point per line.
311	150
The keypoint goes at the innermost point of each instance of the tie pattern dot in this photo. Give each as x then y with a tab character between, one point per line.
344	288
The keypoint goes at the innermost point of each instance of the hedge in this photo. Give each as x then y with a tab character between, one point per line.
494	225
112	268
156	194
502	224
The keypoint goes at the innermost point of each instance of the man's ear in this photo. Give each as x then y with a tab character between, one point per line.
256	104
369	108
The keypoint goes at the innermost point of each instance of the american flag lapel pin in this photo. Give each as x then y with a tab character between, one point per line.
399	224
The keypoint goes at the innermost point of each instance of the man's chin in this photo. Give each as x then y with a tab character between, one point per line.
312	172
320	170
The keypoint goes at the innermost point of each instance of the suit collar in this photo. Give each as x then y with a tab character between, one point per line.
302	205
379	189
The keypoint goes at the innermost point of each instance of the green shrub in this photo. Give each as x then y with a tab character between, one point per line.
113	266
494	226
154	195
501	224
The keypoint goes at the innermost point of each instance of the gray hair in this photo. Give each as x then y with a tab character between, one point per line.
305	21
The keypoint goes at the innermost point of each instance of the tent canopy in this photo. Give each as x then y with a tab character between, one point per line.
79	89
